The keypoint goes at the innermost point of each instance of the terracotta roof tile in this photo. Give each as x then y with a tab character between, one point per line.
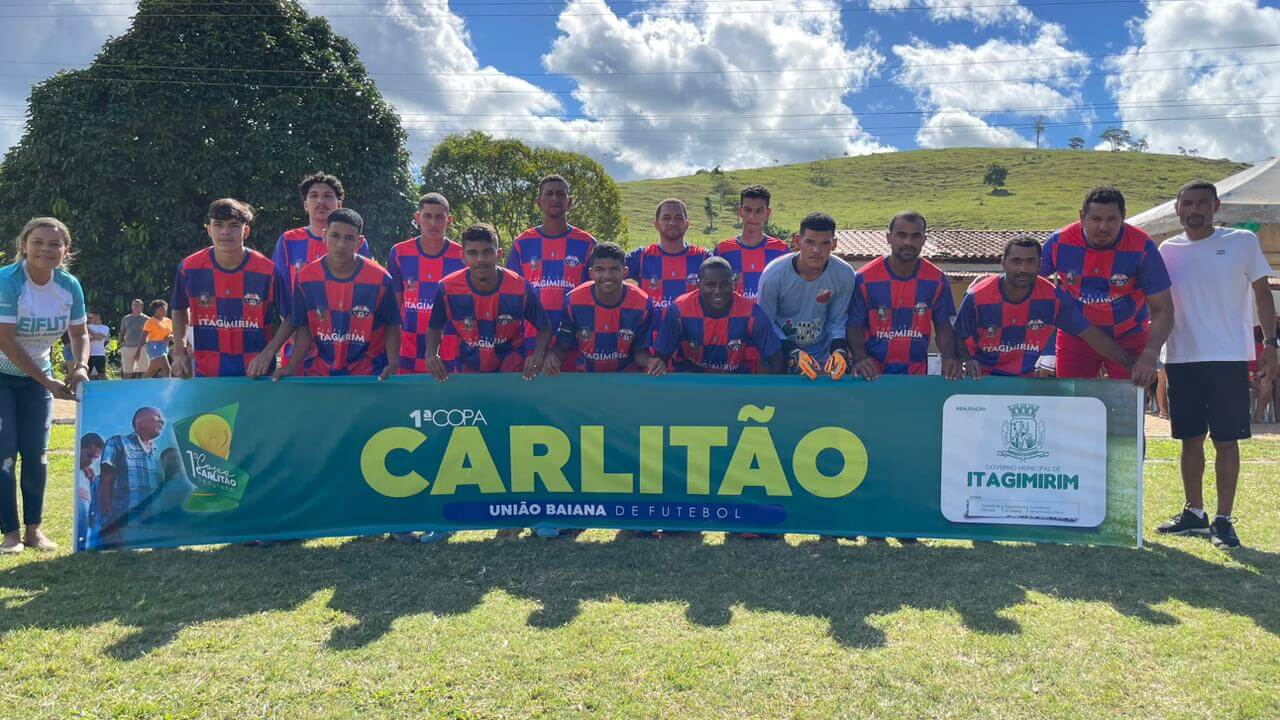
962	245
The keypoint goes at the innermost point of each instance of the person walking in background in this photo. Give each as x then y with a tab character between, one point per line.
159	329
98	336
133	339
39	300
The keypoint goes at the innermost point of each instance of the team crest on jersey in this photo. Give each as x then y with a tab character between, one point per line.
1070	276
1119	279
992	330
252	299
360	311
205	299
468	323
533	263
297	264
921	308
1035	324
584	334
882	313
735	345
572	261
626	335
505	319
824	296
410	284
653	282
691	279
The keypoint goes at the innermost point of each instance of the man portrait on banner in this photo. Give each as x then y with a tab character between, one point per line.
131	474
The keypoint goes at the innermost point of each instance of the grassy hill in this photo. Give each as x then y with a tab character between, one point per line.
1043	189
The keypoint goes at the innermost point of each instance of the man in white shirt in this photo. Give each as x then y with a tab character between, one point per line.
98	336
1214	271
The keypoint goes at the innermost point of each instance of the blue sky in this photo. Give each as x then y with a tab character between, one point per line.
662	87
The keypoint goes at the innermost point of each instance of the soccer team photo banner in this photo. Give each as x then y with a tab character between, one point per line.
165	463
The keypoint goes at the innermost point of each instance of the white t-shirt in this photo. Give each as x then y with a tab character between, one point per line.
98	347
1212	319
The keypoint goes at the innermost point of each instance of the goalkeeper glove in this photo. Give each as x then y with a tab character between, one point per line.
802	363
837	366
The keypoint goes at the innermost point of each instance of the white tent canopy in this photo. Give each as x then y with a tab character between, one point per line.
1250	196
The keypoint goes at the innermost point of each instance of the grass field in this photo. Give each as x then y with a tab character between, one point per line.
482	628
1043	192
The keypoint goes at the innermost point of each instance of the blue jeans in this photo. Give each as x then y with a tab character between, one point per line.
26	411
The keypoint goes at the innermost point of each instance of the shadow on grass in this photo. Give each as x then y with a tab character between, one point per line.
161	592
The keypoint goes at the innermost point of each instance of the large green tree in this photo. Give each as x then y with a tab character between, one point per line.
495	180
199	101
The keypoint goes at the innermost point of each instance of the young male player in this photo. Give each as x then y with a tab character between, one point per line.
229	295
487	306
805	295
1115	271
710	329
551	257
752	250
899	301
607	324
417	266
1007	321
668	268
344	305
321	194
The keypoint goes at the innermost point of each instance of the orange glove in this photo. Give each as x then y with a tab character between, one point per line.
802	363
837	366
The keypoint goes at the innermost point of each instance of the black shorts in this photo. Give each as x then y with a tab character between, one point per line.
1209	397
98	365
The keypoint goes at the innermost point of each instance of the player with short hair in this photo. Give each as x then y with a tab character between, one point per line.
752	249
552	256
805	294
344	306
229	294
417	266
1007	321
710	329
668	268
1115	271
487	306
607	324
899	302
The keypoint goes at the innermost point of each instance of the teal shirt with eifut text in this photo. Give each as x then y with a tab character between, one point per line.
41	312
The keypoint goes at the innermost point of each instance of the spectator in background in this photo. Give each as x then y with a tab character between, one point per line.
159	330
132	341
98	336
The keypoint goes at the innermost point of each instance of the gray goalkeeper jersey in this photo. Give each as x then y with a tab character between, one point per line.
809	313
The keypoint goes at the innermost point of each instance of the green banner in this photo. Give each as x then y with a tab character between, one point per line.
229	460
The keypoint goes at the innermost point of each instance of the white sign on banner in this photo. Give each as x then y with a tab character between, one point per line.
1024	460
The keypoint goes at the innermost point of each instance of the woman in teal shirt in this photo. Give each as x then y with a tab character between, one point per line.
39	300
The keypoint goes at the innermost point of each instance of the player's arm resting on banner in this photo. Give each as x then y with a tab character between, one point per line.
1268	363
389	312
855	335
19	357
181	317
943	314
302	342
837	365
261	362
536	316
965	327
666	343
1144	366
764	336
435	329
642	346
565	340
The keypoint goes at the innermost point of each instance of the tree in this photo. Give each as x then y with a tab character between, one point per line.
131	150
1139	144
819	175
995	176
495	180
726	194
1039	127
1117	138
709	208
1076	143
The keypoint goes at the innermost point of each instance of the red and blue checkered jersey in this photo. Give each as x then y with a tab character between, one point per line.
295	249
897	314
665	276
490	326
348	317
416	276
1006	338
231	310
552	265
749	262
697	342
606	336
1111	283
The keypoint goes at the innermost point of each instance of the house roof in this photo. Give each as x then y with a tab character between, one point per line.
953	245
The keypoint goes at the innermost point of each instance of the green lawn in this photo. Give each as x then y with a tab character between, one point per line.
639	628
1043	192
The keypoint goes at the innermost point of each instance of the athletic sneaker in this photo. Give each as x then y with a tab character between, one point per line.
1222	533
434	536
1186	523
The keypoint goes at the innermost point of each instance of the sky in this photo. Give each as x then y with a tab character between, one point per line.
659	88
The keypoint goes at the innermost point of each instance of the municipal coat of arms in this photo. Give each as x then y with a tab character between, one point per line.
1022	433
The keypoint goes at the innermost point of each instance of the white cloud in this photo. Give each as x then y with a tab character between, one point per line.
1205	24
980	14
964	85
642	122
957	128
